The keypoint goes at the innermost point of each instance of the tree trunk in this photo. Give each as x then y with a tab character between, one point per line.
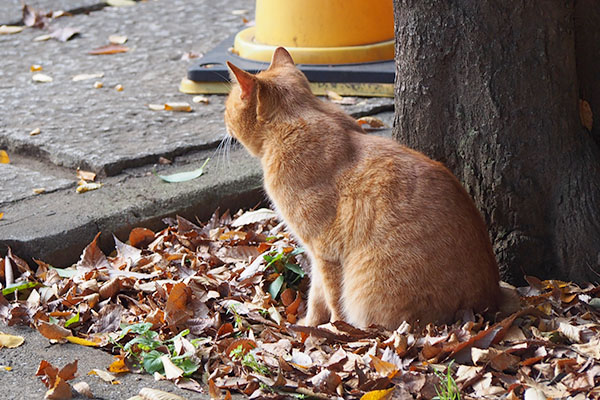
490	88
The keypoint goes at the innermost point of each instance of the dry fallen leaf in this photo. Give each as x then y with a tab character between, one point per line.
86	187
200	99
83	389
65	33
42	38
373	122
34	18
10	341
60	391
155	394
109	49
38	190
156	107
53	331
9	29
41	78
181	106
98	85
119	88
104	375
117	39
86	175
35	131
83	77
212	278
4	159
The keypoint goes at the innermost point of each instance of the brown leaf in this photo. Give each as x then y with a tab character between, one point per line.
586	115
176	311
213	390
60	391
246	344
34	18
326	381
384	368
109	49
140	237
288	296
110	288
68	371
48	373
53	331
92	257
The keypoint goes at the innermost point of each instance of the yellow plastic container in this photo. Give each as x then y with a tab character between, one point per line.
320	31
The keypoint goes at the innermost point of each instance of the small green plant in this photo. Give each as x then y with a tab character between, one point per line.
447	390
144	349
247	360
290	273
237	319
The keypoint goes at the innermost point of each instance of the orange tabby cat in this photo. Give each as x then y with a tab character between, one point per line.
391	234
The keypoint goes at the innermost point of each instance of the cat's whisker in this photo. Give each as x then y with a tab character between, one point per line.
219	154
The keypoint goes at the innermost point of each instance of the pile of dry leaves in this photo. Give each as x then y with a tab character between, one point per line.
217	304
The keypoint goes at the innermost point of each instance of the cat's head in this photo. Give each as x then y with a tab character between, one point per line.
257	102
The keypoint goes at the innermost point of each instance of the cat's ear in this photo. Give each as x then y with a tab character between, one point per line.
281	57
246	80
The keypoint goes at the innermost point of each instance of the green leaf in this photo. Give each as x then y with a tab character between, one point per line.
295	268
72	320
275	286
19	286
152	362
145	343
184	176
185	363
139	328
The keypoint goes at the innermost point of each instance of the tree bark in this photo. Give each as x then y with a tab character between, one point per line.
490	88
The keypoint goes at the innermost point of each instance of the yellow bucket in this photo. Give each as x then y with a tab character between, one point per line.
320	31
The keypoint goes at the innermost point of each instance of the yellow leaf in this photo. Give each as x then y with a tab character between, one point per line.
86	187
83	342
4	157
378	394
185	107
383	367
118	366
10	341
35	68
585	113
1	215
6	367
